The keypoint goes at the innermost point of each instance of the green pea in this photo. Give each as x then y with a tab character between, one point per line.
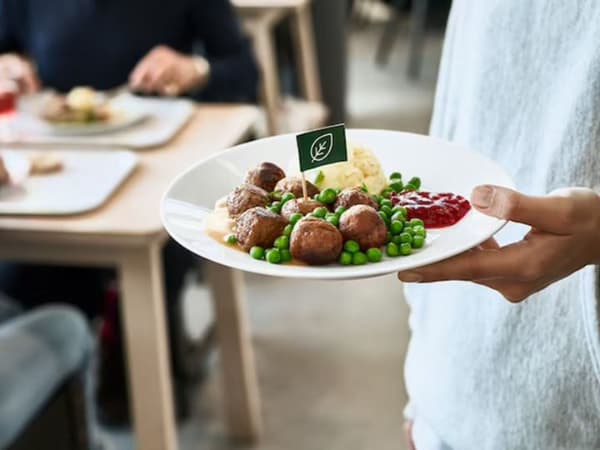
328	196
387	210
257	252
401	210
384	217
275	207
273	256
364	188
405	237
416	182
359	258
287	197
276	195
396	176
397	216
333	219
396	186
389	237
337	191
416	221
345	259
418	241
386	193
230	239
396	226
391	249
320	212
351	246
287	231
294	218
285	254
409	230
405	249
377	198
282	242
340	210
386	202
419	230
397	239
374	255
410	187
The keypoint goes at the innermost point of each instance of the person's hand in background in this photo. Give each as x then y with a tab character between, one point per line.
17	68
166	72
564	237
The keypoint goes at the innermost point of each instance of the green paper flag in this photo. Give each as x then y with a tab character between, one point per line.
321	147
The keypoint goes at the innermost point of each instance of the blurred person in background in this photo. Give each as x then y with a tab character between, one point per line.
181	47
519	81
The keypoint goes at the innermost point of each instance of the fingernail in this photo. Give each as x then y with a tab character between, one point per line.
482	196
410	277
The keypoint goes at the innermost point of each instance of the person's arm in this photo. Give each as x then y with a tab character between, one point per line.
13	65
233	72
564	237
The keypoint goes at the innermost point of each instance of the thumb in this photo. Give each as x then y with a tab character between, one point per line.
550	213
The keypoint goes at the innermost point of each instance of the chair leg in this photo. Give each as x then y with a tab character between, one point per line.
417	37
390	34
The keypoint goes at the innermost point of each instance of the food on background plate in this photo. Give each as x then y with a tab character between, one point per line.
44	163
362	168
80	105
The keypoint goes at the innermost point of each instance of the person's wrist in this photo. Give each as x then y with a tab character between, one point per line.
201	70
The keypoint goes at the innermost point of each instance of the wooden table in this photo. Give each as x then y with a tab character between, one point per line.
260	18
127	233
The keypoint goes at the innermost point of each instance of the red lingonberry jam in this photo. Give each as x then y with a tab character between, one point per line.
436	210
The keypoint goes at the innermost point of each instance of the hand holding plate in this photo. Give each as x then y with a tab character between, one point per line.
564	237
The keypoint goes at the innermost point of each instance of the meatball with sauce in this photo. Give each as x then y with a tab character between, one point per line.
245	197
265	176
299	205
294	185
316	242
258	226
351	197
362	224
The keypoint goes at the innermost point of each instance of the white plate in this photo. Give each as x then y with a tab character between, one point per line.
443	167
125	112
163	119
17	166
86	181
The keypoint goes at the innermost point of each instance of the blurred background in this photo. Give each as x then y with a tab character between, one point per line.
329	355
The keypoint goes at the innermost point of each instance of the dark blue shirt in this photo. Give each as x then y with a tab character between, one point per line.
99	42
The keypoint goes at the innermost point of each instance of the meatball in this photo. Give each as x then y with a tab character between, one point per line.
351	197
294	185
258	226
299	205
245	197
362	224
265	176
315	241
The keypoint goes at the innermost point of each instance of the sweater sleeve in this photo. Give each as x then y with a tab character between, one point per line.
234	74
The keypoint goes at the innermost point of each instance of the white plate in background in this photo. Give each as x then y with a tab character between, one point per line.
442	167
87	180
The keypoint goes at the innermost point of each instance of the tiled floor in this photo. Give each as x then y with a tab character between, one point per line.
329	354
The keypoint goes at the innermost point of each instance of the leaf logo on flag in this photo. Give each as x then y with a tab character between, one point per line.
321	148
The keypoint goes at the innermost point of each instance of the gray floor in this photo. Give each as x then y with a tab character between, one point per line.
329	354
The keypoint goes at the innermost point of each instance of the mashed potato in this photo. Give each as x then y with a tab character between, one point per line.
82	99
362	167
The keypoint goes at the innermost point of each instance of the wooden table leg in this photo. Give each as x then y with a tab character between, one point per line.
242	404
144	327
305	51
